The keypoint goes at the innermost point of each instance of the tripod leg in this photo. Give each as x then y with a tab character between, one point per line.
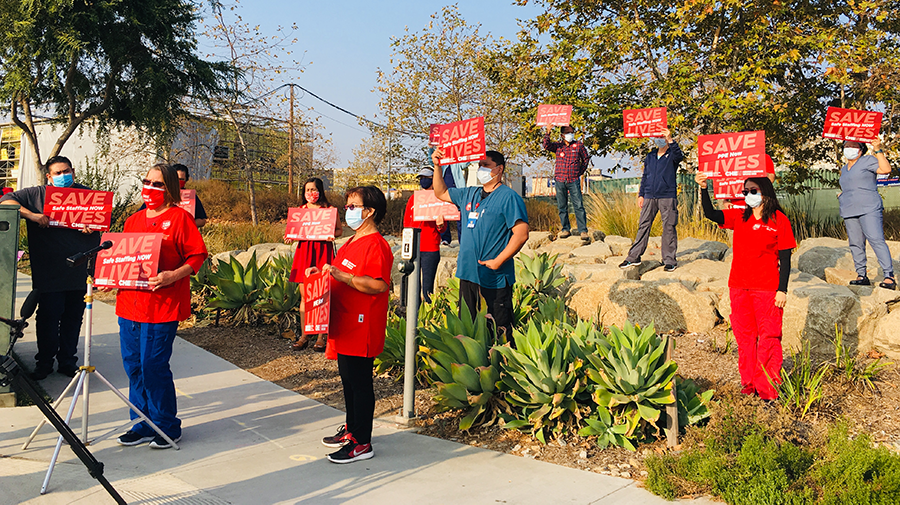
55	406
59	441
136	410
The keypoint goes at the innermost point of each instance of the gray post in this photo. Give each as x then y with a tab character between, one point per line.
412	323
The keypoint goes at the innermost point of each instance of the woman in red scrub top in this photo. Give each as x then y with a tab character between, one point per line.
148	318
361	274
762	245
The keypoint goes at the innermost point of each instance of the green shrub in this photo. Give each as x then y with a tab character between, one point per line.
542	215
228	236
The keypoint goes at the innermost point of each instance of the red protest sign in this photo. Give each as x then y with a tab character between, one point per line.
733	154
188	201
644	122
426	207
554	115
78	208
851	124
130	262
311	224
318	303
434	134
728	188
462	141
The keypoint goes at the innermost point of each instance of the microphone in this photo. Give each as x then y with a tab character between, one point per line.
81	257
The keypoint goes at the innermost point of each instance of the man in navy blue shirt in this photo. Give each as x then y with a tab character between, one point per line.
658	193
495	227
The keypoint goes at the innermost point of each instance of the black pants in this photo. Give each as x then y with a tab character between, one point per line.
58	325
359	395
428	262
499	304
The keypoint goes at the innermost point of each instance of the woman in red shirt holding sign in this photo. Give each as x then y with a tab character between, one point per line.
762	245
359	306
312	253
429	238
148	318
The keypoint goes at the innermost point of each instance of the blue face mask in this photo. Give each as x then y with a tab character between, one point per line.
354	217
659	142
63	180
425	182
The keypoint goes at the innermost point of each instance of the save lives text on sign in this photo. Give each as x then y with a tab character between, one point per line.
130	262
554	115
311	224
851	124
644	122
318	303
78	208
426	207
462	141
731	158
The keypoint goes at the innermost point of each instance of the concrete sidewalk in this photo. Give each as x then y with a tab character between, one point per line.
248	441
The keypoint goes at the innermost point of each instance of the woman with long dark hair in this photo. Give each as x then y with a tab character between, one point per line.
762	245
312	253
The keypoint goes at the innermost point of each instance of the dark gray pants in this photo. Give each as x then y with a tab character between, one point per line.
668	211
868	227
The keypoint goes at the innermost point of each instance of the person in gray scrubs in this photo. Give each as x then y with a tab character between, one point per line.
862	209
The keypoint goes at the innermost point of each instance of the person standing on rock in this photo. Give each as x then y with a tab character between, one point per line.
862	209
496	229
658	193
429	239
758	282
571	163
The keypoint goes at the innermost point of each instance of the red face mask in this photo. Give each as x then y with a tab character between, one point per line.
154	198
181	183
312	196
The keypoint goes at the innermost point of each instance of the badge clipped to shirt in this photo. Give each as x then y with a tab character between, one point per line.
473	217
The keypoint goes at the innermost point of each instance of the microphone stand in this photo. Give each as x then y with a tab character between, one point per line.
81	379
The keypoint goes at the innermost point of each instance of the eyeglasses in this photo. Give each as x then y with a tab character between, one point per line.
751	191
352	207
155	184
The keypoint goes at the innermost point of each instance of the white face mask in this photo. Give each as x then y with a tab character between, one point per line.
569	137
659	142
484	175
354	218
753	201
851	153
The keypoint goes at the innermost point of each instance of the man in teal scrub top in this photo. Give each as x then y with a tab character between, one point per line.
494	229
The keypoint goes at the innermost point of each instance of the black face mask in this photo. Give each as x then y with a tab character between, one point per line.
425	182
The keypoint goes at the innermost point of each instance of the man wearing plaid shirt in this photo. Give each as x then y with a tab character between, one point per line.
571	163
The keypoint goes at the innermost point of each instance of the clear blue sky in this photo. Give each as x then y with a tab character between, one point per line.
347	41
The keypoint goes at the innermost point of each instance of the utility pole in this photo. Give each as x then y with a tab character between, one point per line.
291	145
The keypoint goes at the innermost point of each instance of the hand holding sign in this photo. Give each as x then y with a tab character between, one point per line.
130	262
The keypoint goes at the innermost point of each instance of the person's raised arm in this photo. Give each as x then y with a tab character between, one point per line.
440	187
884	167
713	214
518	239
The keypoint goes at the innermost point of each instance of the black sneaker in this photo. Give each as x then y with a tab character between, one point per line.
160	443
40	373
352	452
339	439
670	268
133	438
626	264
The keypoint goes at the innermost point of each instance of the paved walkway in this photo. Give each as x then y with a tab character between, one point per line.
248	441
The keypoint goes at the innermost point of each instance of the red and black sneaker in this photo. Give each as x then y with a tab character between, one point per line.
339	439
351	452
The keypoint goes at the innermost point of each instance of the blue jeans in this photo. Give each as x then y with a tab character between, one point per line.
428	264
146	349
868	227
565	191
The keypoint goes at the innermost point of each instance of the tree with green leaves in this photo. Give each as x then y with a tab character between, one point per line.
717	65
123	63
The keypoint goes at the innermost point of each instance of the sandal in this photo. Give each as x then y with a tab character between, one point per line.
889	285
861	281
319	346
301	343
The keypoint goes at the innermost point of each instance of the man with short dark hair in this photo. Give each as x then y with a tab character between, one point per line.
571	163
62	289
495	229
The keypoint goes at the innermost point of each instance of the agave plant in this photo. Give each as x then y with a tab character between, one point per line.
280	298
237	288
540	273
693	406
464	371
393	357
201	282
601	425
542	379
632	377
442	300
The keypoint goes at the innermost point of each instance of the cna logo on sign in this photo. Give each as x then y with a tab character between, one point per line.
349	264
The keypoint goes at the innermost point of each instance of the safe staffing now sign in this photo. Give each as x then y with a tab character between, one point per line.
130	262
644	122
852	124
462	141
318	303
78	208
189	201
426	207
738	155
311	224
554	115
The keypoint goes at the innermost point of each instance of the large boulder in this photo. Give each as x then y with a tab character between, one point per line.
693	273
648	262
562	247
597	252
839	276
812	311
691	249
595	272
886	337
875	305
446	270
668	304
264	252
814	255
618	245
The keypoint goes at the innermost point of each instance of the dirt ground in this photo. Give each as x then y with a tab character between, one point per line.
706	359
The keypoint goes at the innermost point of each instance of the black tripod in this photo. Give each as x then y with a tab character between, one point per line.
12	374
